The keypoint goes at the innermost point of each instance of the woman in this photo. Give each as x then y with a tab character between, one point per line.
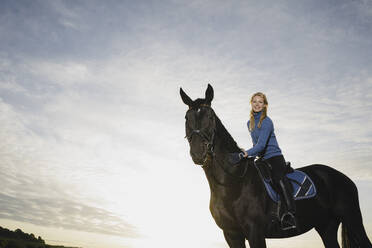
266	146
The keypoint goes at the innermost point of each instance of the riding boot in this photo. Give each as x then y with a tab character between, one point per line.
288	220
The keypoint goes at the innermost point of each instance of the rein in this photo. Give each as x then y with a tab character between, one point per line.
207	167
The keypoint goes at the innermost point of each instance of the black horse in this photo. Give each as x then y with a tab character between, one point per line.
239	203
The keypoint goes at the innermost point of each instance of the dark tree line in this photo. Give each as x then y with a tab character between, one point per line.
20	235
19	239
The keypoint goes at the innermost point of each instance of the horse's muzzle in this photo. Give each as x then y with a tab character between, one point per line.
199	158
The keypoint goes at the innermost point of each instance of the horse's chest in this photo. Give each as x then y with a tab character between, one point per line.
223	214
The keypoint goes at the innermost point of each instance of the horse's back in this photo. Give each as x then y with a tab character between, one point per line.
330	176
335	189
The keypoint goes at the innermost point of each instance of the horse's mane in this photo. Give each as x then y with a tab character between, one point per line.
226	137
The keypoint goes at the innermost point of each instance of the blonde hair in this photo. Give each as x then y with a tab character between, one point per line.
264	111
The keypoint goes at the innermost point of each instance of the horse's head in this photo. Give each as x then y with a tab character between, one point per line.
200	125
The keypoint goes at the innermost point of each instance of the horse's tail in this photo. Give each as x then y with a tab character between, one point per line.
354	236
345	236
353	233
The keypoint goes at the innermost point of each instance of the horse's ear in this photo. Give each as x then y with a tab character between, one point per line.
209	95
185	98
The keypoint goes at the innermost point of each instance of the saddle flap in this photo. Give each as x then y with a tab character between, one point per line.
302	185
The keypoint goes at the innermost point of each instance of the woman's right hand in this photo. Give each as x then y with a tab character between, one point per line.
245	153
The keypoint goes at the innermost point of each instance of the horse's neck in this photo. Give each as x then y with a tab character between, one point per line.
216	173
224	144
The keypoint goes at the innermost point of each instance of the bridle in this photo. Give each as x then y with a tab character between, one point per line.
208	141
210	154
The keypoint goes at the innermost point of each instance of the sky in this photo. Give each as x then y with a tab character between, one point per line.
92	150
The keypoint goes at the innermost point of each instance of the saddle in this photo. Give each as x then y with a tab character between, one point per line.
302	185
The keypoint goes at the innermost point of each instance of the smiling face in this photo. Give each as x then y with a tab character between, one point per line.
258	103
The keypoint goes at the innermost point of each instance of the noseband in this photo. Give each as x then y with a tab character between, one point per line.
208	141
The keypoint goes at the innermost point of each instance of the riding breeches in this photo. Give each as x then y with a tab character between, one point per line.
278	168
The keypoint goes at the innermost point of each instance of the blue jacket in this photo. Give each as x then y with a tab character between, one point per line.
263	139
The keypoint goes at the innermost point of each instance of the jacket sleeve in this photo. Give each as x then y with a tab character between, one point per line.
266	130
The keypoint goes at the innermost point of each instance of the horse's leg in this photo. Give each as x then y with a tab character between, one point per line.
257	241
328	233
256	238
234	239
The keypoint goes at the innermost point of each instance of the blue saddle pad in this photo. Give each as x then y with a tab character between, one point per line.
303	186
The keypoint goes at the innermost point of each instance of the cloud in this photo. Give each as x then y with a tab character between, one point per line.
60	73
63	213
90	106
34	182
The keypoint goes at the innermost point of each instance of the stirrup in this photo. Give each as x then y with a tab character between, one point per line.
291	225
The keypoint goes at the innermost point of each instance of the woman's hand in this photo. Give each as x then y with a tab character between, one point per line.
244	152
